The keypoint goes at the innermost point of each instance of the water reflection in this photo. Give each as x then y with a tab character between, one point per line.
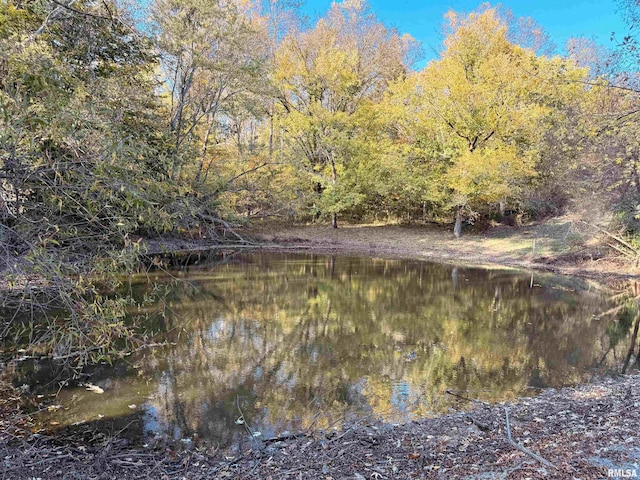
295	342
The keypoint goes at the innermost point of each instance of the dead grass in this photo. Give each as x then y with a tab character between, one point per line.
560	245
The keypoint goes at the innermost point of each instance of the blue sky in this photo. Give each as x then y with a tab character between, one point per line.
562	19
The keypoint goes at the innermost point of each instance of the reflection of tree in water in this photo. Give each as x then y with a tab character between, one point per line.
303	341
626	317
316	327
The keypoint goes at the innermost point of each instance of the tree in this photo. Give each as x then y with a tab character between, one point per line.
487	105
212	53
79	134
607	123
325	78
81	166
281	20
628	45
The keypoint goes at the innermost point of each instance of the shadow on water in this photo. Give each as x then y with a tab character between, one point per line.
301	342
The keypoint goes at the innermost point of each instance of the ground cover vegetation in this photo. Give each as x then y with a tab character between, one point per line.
120	123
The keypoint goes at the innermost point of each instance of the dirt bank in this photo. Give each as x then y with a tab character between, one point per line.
568	433
554	246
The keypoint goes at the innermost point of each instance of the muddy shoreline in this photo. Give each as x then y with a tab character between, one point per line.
525	248
577	432
531	247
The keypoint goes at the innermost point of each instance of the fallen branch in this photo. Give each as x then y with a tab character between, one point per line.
243	421
533	455
289	436
614	237
482	426
461	397
626	253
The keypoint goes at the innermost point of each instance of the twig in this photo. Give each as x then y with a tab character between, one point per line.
126	463
524	449
80	12
290	436
132	454
244	420
40	462
466	399
482	426
250	171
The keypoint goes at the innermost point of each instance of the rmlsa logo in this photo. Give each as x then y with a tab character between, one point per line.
622	473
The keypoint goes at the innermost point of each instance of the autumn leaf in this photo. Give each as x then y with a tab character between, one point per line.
93	388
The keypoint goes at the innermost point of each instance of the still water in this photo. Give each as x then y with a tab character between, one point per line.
299	342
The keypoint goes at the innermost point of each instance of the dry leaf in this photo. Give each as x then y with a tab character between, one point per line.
93	388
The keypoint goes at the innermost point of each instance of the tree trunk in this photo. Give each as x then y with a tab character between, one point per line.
271	134
203	152
334	173
457	229
176	127
239	136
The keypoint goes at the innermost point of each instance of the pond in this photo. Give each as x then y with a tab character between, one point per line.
277	343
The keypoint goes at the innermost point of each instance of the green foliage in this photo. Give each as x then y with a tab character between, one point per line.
472	129
484	109
327	79
85	157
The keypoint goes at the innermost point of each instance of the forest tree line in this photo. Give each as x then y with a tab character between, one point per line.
117	120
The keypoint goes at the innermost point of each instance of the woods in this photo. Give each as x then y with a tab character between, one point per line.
120	122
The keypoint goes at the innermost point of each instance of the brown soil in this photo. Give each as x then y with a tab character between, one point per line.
549	246
579	433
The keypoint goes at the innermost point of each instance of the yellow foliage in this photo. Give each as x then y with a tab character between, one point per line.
484	106
489	174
